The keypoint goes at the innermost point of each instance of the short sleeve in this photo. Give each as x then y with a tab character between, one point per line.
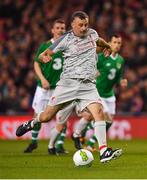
94	34
60	44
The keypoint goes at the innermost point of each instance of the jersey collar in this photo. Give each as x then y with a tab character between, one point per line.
114	57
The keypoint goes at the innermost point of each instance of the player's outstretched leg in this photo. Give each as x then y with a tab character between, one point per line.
34	144
42	117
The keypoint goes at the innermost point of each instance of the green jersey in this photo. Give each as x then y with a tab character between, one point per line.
52	69
110	69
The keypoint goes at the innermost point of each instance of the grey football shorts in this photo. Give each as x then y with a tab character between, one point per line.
82	91
63	115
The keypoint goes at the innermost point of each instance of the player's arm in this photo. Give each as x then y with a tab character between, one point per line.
99	49
97	74
46	56
44	82
59	45
102	45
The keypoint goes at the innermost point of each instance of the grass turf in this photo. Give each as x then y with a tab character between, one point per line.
39	165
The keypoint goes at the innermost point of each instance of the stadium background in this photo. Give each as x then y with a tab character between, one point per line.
25	24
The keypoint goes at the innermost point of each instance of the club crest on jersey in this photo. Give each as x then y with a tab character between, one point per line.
118	65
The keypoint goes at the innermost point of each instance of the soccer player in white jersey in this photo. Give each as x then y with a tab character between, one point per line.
77	81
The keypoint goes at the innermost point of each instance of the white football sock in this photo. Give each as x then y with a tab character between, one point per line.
100	133
80	126
54	134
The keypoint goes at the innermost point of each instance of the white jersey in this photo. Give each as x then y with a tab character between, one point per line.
79	54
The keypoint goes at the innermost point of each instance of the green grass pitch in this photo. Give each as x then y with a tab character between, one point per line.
39	165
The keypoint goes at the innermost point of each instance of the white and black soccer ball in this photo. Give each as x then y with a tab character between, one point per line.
83	157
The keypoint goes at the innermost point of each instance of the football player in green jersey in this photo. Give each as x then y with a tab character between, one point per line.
47	76
110	70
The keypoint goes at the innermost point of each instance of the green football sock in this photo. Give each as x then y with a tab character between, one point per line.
91	141
35	133
60	139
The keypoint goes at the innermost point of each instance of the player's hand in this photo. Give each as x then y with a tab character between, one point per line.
107	52
45	57
124	83
45	84
97	74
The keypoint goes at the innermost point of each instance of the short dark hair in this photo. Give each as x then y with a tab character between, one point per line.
79	14
114	35
61	21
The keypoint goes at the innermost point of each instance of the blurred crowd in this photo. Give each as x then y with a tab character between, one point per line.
25	24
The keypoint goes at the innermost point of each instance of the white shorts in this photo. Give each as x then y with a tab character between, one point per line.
68	90
109	105
41	99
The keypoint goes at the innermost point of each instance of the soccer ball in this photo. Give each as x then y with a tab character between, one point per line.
83	157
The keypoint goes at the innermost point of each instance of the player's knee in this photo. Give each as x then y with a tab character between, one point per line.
101	112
